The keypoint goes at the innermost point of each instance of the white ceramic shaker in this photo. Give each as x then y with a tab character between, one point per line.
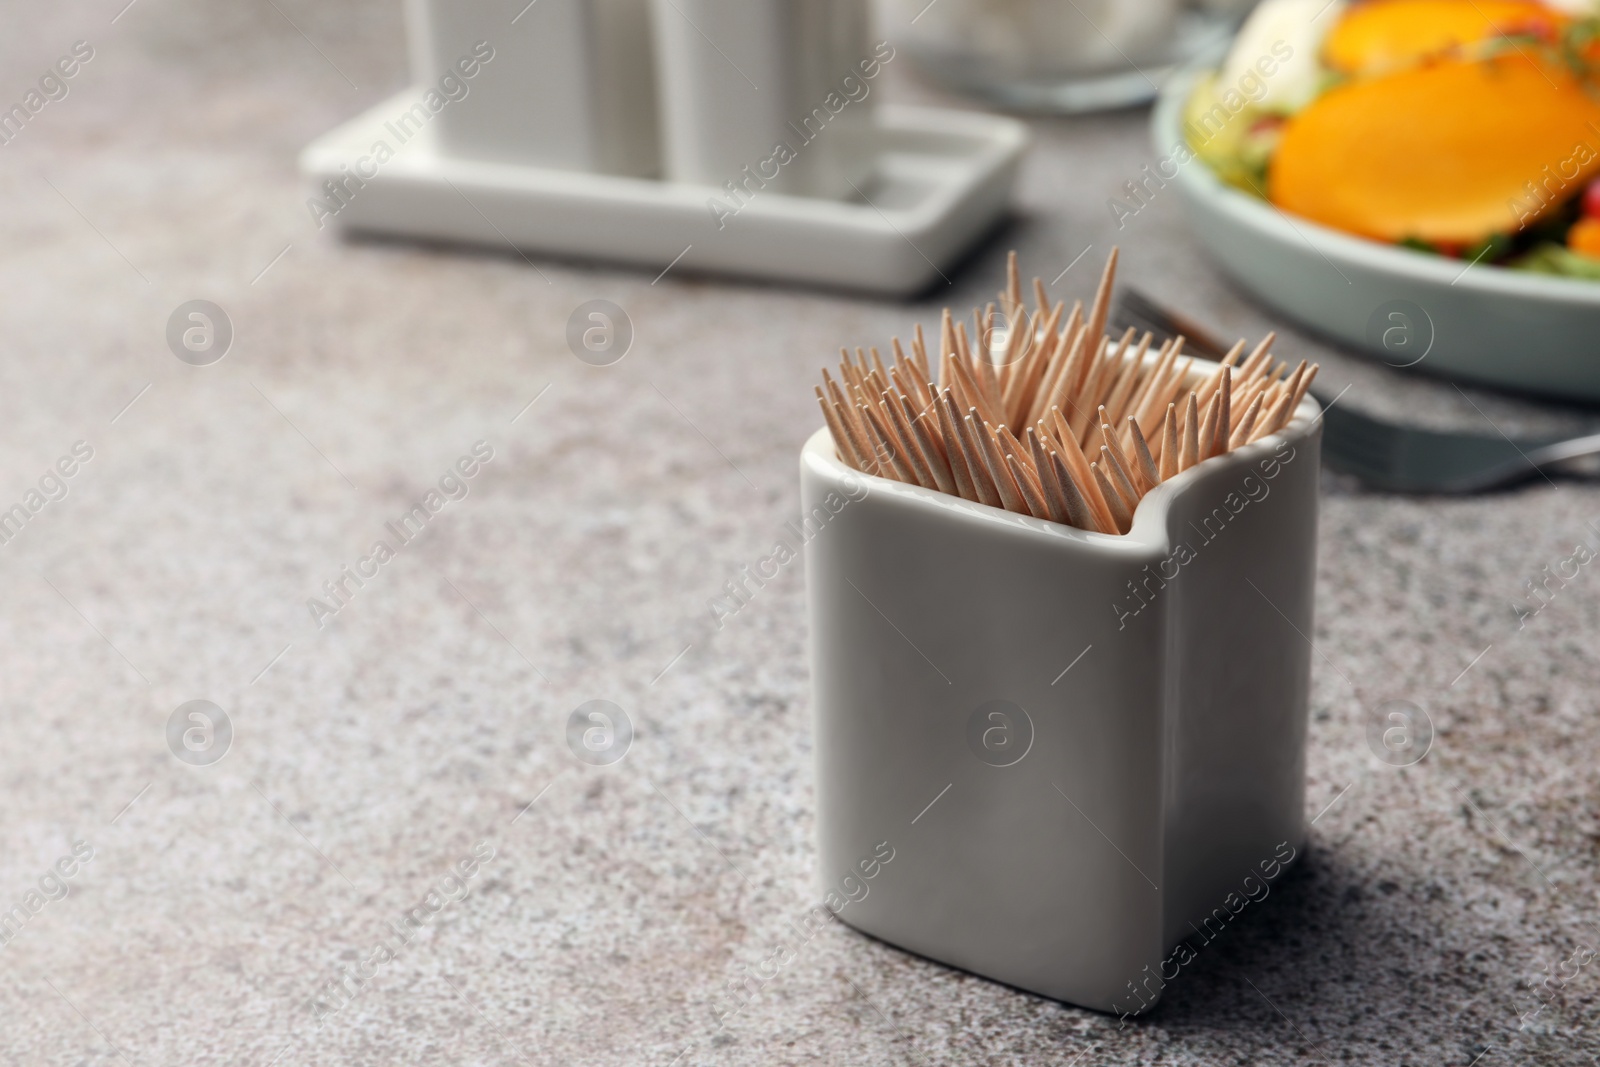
571	84
765	94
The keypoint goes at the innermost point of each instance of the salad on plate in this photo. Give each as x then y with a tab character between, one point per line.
1460	128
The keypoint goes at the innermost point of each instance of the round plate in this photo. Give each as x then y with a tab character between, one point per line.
1527	332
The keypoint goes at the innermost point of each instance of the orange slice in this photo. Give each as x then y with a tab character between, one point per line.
1382	35
1584	238
1448	153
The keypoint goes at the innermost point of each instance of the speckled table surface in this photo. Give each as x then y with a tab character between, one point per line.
1442	914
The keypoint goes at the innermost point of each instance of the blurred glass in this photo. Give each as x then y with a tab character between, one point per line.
1058	55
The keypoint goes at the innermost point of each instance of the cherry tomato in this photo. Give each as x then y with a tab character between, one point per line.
1584	237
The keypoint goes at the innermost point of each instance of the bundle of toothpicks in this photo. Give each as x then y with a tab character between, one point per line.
1042	413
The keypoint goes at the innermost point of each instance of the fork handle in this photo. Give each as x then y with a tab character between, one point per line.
1564	450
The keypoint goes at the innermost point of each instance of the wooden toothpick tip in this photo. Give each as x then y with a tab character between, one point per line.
1169	443
1141	454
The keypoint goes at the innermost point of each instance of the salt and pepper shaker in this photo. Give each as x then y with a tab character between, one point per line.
764	94
571	84
636	131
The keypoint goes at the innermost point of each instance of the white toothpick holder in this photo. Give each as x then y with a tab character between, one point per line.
1079	745
552	150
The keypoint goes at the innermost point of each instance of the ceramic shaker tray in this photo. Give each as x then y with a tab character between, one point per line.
941	181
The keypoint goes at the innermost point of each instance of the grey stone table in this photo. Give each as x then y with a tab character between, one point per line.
1444	914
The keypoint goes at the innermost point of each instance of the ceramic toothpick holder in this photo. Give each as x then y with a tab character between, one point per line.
1080	746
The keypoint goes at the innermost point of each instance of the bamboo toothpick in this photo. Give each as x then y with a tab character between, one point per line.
1119	509
1008	424
1083	516
1242	434
1169	443
1218	443
1141	453
1032	494
1189	454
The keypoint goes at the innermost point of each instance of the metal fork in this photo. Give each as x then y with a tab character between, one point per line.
1386	455
1133	308
1409	460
